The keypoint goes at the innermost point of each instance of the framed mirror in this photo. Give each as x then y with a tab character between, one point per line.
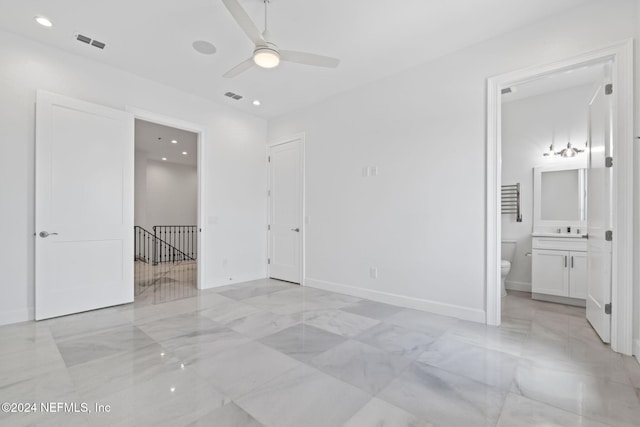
560	194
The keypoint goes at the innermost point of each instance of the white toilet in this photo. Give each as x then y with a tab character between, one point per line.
508	249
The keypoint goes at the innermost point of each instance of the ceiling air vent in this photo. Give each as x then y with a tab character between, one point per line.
233	96
506	90
90	41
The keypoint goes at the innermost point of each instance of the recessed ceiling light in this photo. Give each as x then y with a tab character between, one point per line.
173	141
164	158
184	153
44	21
256	103
204	47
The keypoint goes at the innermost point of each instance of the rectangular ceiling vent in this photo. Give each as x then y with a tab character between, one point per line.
233	96
90	41
506	90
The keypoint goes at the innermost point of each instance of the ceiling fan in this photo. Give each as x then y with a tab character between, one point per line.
266	53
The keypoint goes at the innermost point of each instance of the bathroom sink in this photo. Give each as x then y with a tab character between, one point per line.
564	235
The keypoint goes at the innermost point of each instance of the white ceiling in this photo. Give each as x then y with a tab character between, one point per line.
373	39
155	140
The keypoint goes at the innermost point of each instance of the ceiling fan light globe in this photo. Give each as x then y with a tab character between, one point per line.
266	57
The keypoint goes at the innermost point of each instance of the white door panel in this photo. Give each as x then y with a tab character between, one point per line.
599	211
84	193
285	212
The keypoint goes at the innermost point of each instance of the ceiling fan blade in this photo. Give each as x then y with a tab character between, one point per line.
309	59
243	20
240	68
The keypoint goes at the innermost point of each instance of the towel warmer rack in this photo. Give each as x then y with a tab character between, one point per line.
510	200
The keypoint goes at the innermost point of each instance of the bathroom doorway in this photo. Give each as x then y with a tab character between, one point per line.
566	138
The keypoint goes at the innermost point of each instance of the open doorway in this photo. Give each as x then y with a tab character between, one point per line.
166	213
620	132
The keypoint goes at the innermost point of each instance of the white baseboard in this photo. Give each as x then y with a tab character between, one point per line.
517	286
17	316
444	309
222	281
636	349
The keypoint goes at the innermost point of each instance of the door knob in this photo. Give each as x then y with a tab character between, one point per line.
297	230
44	234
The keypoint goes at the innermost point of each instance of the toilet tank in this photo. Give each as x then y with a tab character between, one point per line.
508	249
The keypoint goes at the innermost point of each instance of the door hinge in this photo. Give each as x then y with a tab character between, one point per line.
608	236
608	162
268	193
608	89
268	260
269	227
607	308
269	159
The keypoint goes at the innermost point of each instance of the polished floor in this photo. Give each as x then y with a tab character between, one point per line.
157	284
268	353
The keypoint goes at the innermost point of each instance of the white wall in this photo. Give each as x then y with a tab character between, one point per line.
234	159
166	193
422	220
636	222
528	127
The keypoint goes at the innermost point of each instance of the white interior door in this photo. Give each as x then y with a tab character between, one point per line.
599	214
84	206
285	212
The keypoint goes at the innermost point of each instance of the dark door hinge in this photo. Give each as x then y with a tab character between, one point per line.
607	308
608	89
608	236
608	162
268	260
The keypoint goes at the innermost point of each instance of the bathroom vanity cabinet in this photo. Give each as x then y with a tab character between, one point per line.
559	269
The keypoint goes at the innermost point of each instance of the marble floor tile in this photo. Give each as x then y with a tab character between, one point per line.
29	363
263	323
372	309
304	397
302	342
491	337
264	354
91	347
378	413
427	323
102	377
198	345
172	398
257	288
241	369
396	340
366	367
519	411
443	398
88	323
183	324
229	310
487	366
601	399
229	415
339	322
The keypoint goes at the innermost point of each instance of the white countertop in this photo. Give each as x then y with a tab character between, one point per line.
563	235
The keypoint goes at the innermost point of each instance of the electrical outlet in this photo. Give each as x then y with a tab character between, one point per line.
373	272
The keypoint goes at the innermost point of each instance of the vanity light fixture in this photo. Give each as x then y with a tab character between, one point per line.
568	151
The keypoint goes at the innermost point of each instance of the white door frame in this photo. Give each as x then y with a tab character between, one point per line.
202	173
621	54
303	225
